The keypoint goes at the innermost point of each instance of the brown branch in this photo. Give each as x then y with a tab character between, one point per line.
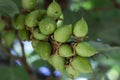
116	4
7	51
23	60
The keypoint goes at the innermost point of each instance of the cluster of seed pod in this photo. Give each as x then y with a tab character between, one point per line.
54	42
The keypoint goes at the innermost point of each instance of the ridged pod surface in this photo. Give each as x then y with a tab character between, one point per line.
24	34
81	64
57	62
63	34
34	43
71	72
32	18
29	4
80	28
19	22
47	26
85	49
43	49
54	10
38	35
65	50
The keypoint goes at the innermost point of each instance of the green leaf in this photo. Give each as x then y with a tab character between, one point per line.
106	48
112	52
8	7
13	73
105	25
40	62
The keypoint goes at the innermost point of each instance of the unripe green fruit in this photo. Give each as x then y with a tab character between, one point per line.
54	10
19	22
85	49
60	21
32	18
8	38
47	26
38	35
71	72
2	25
42	14
43	49
57	62
34	43
24	34
81	64
80	28
62	34
29	4
65	50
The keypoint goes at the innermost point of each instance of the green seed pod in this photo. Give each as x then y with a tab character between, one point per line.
62	34
42	14
43	49
2	25
32	18
54	10
29	4
60	21
24	35
19	22
71	72
47	26
34	43
38	35
80	28
65	50
8	38
57	62
81	64
85	49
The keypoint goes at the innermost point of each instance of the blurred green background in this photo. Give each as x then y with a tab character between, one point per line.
103	18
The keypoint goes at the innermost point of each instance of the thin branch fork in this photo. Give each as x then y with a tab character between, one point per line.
23	59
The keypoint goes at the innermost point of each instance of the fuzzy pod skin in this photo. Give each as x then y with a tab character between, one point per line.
24	35
57	62
8	38
29	4
47	26
72	73
80	28
81	64
85	49
62	34
32	19
38	35
2	25
54	10
65	50
19	22
43	49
